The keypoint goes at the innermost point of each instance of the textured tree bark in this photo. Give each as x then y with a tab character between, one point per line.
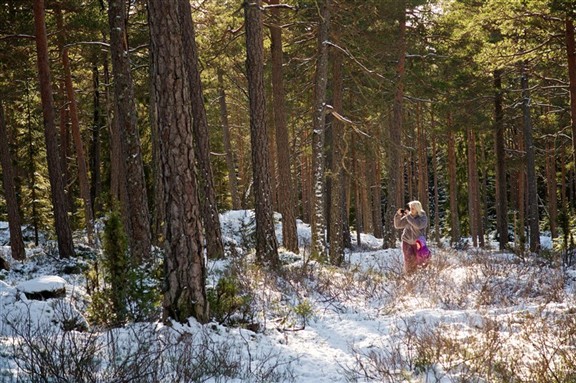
208	204
285	191
266	243
63	231
571	56
131	152
318	126
185	270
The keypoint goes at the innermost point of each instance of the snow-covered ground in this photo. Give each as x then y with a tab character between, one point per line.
472	315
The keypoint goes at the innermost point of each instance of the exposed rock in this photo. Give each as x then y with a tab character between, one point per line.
42	288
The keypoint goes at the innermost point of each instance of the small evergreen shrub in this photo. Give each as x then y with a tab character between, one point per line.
122	290
227	304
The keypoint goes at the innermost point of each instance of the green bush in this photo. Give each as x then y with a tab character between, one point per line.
227	304
122	290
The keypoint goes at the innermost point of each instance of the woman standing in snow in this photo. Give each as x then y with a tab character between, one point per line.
414	223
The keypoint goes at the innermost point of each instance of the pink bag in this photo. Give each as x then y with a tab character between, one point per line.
422	252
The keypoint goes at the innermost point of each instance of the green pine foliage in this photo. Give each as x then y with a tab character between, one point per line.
123	291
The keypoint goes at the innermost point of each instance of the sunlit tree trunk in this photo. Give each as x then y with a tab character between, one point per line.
185	269
137	195
318	125
82	168
79	147
266	243
208	204
286	205
63	231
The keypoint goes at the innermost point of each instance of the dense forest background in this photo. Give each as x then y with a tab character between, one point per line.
335	112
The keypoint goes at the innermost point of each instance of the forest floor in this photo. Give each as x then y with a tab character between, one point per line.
474	315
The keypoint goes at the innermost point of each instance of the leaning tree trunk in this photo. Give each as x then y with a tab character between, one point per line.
14	221
137	196
286	200
185	270
318	126
63	231
208	203
266	243
533	219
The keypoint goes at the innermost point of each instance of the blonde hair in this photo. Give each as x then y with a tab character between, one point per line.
418	206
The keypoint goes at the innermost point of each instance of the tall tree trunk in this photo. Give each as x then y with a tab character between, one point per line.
232	180
208	203
357	197
83	180
394	145
286	205
436	193
158	226
376	194
571	55
63	231
318	125
500	150
137	209
266	243
79	147
551	187
473	192
96	145
453	187
185	270
533	218
336	225
14	221
422	154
